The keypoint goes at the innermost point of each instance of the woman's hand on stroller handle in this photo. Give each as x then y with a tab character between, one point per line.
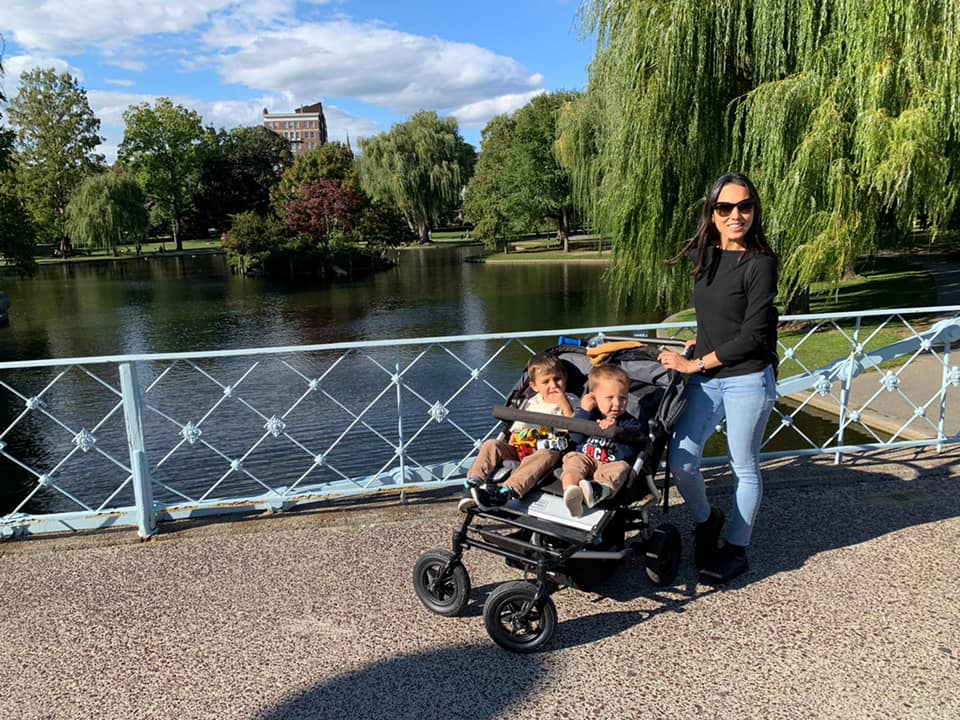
676	361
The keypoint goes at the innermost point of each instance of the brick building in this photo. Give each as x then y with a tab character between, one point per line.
305	128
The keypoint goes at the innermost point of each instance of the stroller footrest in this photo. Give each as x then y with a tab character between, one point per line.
544	526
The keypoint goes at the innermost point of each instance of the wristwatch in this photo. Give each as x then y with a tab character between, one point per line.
700	366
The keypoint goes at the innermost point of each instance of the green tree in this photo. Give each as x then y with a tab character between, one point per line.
16	229
489	200
519	183
418	166
844	113
108	210
252	237
380	225
56	138
330	161
543	187
240	174
17	234
166	146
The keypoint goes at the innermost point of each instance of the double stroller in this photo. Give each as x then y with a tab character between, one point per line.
538	535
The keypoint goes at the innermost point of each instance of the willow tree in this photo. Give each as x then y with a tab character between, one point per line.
844	113
420	165
108	210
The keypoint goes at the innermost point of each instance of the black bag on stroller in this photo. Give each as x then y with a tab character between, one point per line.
538	535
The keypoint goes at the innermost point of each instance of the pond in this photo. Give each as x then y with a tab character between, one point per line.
174	304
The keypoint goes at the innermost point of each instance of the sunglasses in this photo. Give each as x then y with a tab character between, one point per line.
746	207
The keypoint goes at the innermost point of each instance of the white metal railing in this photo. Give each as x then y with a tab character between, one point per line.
97	442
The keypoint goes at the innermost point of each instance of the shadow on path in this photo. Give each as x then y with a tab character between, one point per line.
845	505
477	682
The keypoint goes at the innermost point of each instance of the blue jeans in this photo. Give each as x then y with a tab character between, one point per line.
746	402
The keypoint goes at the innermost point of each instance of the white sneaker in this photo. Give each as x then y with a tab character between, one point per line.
593	492
573	499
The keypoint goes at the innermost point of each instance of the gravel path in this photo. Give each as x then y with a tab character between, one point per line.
850	611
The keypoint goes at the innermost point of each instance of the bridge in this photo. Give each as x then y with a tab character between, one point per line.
302	607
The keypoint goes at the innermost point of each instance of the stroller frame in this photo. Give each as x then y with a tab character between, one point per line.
537	535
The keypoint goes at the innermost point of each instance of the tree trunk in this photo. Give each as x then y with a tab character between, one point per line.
799	303
423	233
177	240
563	230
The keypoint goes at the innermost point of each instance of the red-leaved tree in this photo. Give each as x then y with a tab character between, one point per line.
321	210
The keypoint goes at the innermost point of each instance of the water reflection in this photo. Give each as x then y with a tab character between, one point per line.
194	303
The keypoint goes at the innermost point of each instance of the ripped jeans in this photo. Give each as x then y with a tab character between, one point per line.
746	401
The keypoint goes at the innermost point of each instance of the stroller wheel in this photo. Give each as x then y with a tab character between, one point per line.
663	555
514	622
445	593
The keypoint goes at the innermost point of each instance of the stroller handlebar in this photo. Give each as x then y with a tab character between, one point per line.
577	425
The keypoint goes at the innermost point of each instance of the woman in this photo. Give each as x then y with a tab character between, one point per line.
731	373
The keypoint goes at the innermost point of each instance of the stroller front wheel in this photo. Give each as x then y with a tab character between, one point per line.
515	622
441	582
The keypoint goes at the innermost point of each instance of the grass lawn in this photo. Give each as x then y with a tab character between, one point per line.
546	249
44	253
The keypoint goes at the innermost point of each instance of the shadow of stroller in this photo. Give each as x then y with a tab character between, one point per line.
466	681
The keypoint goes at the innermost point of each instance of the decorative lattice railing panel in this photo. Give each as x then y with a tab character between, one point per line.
93	442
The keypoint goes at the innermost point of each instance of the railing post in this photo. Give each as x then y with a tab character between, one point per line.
845	386
944	379
142	489
401	451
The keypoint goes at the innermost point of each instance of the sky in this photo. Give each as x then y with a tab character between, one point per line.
371	64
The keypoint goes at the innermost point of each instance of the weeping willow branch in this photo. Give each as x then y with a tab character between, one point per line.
844	113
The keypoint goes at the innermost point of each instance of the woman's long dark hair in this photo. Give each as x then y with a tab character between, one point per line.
707	234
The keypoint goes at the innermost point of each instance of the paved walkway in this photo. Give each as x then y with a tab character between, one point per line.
851	610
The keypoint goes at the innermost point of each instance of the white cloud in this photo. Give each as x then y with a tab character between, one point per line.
380	66
477	114
120	83
65	27
16	65
341	124
128	64
262	45
109	106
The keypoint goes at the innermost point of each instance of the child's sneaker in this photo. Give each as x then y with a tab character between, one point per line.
593	492
467	501
573	499
488	498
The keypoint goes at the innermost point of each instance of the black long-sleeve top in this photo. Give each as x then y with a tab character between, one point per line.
605	449
736	317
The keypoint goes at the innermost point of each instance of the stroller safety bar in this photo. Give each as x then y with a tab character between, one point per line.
578	425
